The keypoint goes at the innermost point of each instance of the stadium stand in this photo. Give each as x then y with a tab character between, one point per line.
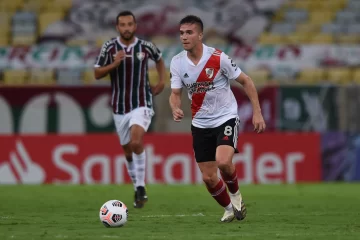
28	23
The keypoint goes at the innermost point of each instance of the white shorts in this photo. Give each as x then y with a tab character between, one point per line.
140	116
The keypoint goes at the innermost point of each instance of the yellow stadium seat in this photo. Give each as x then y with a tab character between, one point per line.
307	27
5	21
41	77
165	40
319	17
10	6
24	40
297	38
154	79
4	41
47	18
339	75
101	40
35	5
268	38
259	76
15	77
89	78
59	5
279	16
311	75
322	38
333	6
77	42
301	4
356	75
347	39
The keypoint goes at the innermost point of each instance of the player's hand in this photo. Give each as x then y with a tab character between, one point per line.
258	122
118	57
178	114
158	88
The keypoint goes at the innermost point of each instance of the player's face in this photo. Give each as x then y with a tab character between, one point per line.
190	35
126	27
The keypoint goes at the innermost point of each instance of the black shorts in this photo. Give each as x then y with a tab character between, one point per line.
206	140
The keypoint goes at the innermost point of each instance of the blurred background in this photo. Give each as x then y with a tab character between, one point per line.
303	55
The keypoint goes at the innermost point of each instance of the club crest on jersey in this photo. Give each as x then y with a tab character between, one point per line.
140	55
209	72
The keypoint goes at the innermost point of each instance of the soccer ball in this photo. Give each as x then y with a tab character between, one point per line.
113	213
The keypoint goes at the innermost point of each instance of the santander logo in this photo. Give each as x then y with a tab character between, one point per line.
20	168
98	159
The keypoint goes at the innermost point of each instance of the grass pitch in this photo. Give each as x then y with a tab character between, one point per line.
324	211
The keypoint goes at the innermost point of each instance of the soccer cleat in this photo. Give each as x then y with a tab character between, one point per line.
239	206
228	216
141	197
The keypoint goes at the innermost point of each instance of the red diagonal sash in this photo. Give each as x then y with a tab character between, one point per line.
212	63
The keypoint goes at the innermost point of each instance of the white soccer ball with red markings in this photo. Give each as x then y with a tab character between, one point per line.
113	213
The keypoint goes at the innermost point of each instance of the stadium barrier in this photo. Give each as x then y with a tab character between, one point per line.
270	158
81	110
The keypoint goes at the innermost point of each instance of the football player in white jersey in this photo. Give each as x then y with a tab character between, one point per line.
206	73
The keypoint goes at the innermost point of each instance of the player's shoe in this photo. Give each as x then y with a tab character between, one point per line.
141	197
228	216
239	206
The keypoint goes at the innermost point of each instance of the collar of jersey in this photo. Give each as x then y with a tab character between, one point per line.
201	59
128	47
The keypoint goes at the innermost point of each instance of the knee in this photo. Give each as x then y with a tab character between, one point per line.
224	164
210	179
136	146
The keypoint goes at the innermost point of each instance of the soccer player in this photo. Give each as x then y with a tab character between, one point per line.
206	73
125	58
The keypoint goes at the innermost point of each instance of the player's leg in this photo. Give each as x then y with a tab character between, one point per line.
227	142
123	131
130	166
139	123
204	144
217	188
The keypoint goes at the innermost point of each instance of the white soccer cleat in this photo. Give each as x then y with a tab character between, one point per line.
239	206
228	216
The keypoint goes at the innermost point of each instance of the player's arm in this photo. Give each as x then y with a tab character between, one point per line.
233	72
160	68
175	104
176	89
103	63
155	54
251	92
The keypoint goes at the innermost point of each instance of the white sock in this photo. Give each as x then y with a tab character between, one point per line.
132	172
229	207
139	161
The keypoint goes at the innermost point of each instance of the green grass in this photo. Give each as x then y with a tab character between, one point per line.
326	211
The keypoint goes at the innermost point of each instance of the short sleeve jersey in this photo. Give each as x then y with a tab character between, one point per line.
208	86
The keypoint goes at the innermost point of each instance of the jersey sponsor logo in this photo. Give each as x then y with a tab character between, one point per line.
105	48
150	45
140	55
200	87
209	72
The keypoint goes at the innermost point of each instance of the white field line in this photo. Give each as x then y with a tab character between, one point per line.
176	215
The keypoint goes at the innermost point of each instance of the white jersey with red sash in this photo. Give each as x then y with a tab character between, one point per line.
208	85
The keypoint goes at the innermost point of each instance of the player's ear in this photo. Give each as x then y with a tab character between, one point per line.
201	36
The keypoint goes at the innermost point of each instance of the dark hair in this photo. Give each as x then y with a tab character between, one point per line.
192	19
124	13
